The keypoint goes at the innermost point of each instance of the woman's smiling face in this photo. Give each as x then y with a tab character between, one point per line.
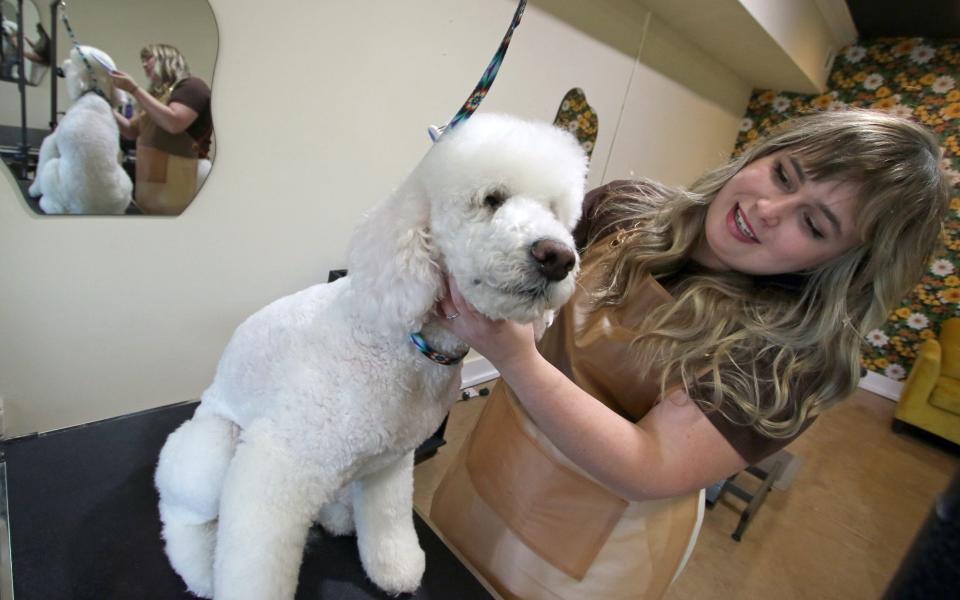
772	218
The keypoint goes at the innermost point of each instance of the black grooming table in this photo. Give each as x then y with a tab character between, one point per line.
84	523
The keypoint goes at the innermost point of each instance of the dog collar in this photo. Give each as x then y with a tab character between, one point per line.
437	357
95	90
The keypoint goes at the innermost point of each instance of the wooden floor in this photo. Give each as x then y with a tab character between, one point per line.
839	530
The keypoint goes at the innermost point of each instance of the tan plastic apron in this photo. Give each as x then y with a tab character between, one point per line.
529	520
166	168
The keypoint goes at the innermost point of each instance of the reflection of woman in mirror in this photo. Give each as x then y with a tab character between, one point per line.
172	129
36	52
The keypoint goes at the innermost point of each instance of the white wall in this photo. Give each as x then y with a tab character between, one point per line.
120	28
320	109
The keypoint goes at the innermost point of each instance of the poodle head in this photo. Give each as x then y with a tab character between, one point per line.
504	197
79	78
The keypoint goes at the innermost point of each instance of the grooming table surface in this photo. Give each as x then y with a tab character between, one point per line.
84	522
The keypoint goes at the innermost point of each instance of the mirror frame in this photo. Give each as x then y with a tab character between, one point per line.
20	153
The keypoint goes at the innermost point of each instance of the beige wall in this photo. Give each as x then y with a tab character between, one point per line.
321	108
800	29
120	28
681	113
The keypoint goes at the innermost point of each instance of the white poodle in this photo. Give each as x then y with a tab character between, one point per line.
320	398
78	170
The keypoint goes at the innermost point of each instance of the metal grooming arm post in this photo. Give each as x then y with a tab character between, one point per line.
54	9
22	87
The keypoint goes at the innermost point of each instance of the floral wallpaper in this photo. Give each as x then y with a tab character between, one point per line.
917	78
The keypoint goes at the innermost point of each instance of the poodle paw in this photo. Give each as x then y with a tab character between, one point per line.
336	518
201	587
396	568
190	548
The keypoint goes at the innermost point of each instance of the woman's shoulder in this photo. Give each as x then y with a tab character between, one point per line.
192	92
746	438
623	188
193	85
641	186
600	205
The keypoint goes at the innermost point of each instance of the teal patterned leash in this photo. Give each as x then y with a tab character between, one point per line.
83	55
483	86
486	81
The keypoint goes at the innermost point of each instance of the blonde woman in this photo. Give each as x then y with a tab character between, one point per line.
711	326
173	129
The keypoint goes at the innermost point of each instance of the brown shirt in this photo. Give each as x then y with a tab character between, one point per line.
193	93
751	444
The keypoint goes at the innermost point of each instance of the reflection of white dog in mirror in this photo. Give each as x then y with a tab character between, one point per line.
78	170
320	398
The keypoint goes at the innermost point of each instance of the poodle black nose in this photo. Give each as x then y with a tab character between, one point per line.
555	259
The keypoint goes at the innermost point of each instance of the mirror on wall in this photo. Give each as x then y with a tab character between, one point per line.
27	32
123	125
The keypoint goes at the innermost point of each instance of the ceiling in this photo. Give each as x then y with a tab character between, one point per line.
899	18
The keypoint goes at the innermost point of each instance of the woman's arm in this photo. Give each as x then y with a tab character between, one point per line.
673	450
129	128
173	118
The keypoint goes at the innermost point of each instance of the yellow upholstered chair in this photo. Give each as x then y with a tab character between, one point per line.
930	399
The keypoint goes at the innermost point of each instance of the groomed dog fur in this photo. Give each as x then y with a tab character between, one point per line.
320	399
78	170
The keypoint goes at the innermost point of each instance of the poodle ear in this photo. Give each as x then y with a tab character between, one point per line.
392	263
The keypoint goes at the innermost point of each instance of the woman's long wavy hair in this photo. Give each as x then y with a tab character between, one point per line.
773	351
170	68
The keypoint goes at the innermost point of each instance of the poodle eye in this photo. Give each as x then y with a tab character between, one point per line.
494	200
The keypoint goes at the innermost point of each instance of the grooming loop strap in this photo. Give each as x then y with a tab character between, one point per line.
80	52
486	81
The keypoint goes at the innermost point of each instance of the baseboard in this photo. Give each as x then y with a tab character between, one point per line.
882	385
476	371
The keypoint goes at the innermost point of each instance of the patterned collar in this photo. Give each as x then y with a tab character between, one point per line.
437	357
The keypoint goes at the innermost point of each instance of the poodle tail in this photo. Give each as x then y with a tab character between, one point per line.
48	185
189	477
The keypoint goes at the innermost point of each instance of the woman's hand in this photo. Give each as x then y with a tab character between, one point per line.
503	343
124	82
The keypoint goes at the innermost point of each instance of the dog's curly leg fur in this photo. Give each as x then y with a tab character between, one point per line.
48	151
266	511
383	509
189	477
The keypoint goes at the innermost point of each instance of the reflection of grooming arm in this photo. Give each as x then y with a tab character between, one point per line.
29	53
